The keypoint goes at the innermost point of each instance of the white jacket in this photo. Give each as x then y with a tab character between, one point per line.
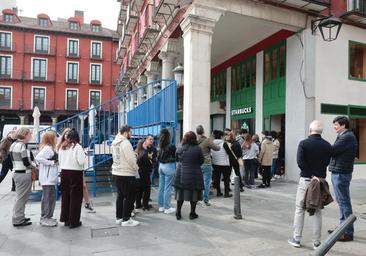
220	157
48	169
72	158
124	158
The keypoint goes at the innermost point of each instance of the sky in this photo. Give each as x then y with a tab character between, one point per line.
104	10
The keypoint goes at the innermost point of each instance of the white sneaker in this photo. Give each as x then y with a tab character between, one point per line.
130	223
169	211
119	221
133	214
48	222
161	209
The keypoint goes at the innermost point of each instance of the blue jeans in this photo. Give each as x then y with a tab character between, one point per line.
274	167
341	183
166	176
207	178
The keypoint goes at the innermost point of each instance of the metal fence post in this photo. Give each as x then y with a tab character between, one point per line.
237	208
332	238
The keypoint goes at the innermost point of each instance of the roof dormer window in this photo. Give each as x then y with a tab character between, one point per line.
43	22
8	18
95	28
73	25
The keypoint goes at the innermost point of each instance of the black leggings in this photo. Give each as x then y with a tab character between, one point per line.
225	171
180	204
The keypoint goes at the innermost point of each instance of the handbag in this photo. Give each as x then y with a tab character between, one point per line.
35	174
241	162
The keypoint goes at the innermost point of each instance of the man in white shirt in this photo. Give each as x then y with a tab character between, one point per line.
125	171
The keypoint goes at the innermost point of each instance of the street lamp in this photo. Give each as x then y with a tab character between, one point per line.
178	72
329	27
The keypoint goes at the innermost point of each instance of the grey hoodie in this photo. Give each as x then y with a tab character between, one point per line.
124	158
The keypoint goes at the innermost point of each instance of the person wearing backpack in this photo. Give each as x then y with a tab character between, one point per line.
5	157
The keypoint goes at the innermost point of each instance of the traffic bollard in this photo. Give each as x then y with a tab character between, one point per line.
237	208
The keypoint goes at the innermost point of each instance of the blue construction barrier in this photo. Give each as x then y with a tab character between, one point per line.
98	125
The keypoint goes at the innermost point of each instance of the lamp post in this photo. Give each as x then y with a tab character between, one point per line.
178	72
329	27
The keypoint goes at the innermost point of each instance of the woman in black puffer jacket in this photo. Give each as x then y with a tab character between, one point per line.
189	179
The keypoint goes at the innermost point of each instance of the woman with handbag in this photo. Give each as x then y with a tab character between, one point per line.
235	155
22	167
71	159
48	177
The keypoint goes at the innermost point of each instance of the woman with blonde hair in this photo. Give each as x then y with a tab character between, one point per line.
22	167
48	177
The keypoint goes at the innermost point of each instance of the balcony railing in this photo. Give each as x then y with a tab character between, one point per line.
96	57
96	82
132	16
356	11
72	81
12	75
47	79
30	49
308	5
72	55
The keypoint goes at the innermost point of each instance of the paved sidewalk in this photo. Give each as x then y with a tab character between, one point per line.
268	215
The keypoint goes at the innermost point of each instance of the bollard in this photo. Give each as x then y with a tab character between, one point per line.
237	208
332	238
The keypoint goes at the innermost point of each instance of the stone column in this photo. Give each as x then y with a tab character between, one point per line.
151	73
197	28
22	120
168	55
132	101
54	120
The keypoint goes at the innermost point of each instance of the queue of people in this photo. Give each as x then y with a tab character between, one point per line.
188	169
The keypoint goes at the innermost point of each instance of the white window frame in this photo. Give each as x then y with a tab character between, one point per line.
45	96
34	42
11	93
10	15
101	48
100	95
67	70
95	25
74	22
39	22
32	58
77	97
11	38
68	44
11	66
101	72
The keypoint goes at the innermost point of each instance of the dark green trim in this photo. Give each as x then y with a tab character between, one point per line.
350	42
359	163
348	110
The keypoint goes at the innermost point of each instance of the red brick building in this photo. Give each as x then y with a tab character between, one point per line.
60	66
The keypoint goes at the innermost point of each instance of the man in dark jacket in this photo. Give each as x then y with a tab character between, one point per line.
341	165
313	156
206	144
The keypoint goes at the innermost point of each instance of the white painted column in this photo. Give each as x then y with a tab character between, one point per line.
54	120
132	101
151	74
122	110
228	99
140	93
299	108
168	62
22	120
197	36
259	94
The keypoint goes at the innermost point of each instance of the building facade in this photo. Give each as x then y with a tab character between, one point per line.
258	65
63	67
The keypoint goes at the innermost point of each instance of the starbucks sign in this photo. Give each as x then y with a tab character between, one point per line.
241	111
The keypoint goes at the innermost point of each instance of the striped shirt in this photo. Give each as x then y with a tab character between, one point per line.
21	156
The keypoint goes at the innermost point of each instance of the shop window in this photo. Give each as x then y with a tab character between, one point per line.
218	86
253	79
267	65
283	61
5	96
357	61
274	64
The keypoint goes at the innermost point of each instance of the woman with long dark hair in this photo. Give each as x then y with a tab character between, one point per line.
71	160
189	179
166	158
